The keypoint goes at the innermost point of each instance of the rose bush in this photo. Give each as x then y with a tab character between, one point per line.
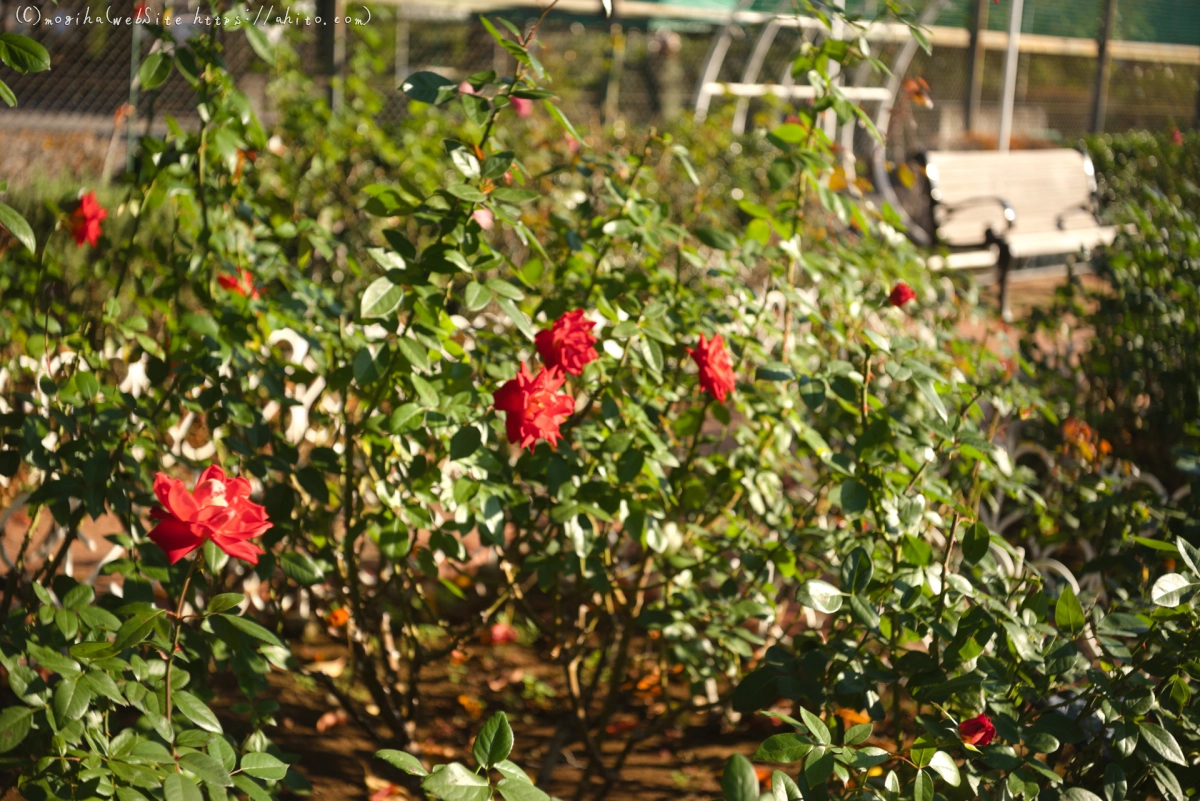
713	457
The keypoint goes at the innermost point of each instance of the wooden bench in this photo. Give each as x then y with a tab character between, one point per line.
991	208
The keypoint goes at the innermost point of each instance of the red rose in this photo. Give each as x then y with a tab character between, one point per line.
901	293
716	371
977	731
86	219
501	633
532	410
522	106
1177	136
219	509
568	344
242	283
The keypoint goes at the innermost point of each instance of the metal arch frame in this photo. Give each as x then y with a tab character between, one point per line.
714	60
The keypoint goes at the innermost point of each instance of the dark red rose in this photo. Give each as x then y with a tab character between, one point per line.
977	731
568	344
716	371
86	219
219	509
532	409
901	293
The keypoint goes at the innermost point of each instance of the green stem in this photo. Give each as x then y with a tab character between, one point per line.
178	624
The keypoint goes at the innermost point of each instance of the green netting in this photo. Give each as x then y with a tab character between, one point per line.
1168	21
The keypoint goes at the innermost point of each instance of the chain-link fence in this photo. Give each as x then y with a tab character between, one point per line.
637	71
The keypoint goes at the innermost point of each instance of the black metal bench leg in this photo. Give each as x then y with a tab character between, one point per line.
1004	264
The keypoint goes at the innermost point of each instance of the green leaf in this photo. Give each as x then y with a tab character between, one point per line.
858	734
23	54
1169	590
15	223
135	629
1068	614
402	760
1078	794
520	790
207	769
975	543
739	781
508	194
946	767
300	567
253	790
248	626
783	788
818	766
381	298
177	787
816	727
429	87
716	238
154	70
477	296
454	782
465	442
923	787
855	497
100	683
494	741
652	352
517	316
1162	742
259	43
563	121
71	698
775	371
927	389
787	747
15	723
223	602
6	94
857	569
1190	554
197	711
820	595
262	765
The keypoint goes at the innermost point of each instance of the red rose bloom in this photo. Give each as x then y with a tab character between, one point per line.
716	371
1177	136
901	293
567	345
977	731
219	509
501	633
532	410
522	106
242	283
86	219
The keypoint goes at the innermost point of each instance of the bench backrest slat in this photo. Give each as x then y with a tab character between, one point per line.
1039	184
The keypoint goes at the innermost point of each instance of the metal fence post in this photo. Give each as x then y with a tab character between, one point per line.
331	47
1011	57
976	55
1103	66
613	91
135	63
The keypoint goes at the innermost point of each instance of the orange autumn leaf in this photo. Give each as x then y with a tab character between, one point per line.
852	717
